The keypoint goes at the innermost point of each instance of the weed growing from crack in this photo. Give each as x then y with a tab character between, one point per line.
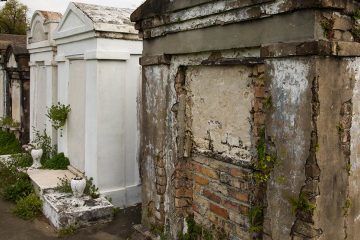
346	207
256	218
302	204
265	163
327	26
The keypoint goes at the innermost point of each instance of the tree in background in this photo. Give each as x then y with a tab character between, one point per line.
13	18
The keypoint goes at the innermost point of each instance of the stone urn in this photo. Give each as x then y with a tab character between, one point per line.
36	155
78	185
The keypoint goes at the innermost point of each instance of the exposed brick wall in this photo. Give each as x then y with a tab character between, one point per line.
221	195
222	187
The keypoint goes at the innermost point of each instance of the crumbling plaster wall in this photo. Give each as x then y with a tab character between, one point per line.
161	126
310	127
289	127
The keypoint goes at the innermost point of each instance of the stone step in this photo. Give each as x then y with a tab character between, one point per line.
63	209
44	179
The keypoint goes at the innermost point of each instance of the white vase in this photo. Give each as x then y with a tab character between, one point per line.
36	155
78	186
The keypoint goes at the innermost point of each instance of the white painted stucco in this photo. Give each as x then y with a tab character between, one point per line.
43	71
99	78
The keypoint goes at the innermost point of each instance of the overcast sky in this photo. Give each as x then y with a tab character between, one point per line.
61	5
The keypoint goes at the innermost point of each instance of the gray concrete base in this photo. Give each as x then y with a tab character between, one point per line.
62	209
124	197
144	232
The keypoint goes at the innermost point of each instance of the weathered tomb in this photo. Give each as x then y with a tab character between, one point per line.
43	70
98	53
251	107
15	83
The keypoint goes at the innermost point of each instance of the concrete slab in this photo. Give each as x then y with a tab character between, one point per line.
44	179
63	209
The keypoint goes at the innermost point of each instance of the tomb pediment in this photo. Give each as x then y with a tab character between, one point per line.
74	22
82	18
41	28
38	33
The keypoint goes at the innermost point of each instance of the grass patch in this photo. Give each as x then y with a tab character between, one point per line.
68	231
9	144
20	189
14	184
29	207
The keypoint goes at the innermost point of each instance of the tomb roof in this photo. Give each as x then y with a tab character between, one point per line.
51	16
119	18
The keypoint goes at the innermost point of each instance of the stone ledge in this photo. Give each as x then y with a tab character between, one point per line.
44	179
319	48
62	209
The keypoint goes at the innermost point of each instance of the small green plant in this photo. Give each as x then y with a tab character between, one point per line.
20	189
268	104
157	230
9	122
348	167
90	189
9	144
68	231
43	141
356	33
327	26
58	115
196	232
280	180
346	207
64	185
265	163
256	219
28	207
340	127
22	160
356	14
8	175
57	162
116	211
302	204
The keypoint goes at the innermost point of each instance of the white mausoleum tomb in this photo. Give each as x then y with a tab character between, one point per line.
98	53
43	70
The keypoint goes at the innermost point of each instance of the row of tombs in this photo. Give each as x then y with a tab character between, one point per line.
242	124
87	59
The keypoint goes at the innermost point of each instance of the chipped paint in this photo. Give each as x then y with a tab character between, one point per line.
354	67
291	121
274	8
